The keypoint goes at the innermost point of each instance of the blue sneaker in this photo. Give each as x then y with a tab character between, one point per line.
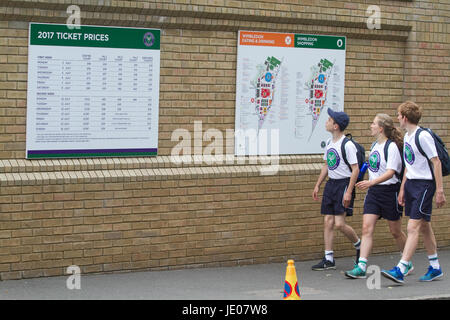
394	274
432	274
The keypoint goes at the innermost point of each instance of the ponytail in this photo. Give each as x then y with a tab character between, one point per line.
390	131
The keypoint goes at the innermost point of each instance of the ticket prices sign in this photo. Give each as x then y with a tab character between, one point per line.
92	92
284	82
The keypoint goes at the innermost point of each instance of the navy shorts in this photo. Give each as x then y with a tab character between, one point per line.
382	200
333	197
419	199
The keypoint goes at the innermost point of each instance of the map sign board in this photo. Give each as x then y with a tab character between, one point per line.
284	84
92	92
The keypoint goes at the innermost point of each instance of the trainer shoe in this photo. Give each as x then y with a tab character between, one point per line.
394	274
409	269
432	274
324	265
356	273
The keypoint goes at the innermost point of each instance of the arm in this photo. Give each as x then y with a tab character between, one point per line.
401	193
322	176
351	185
363	185
437	169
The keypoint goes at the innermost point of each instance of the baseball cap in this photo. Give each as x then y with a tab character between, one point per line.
340	117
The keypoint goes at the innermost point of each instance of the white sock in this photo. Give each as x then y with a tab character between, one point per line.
403	265
357	244
362	263
434	262
329	255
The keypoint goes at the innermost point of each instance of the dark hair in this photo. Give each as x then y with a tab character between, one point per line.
390	131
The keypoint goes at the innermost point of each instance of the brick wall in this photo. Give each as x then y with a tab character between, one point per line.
149	213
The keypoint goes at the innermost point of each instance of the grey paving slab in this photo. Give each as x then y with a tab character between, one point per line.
252	282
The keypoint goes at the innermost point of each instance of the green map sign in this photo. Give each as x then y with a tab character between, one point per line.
319	42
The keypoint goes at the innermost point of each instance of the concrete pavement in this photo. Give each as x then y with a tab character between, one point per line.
252	282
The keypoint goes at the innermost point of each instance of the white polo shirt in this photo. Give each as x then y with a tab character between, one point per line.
337	168
416	164
378	164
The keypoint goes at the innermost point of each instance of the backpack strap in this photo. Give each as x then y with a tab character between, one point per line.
373	145
386	149
416	140
344	154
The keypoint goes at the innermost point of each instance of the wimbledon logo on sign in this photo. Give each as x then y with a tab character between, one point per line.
149	39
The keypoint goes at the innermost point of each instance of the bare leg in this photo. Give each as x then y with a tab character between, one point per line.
399	236
412	240
345	228
328	232
369	222
429	240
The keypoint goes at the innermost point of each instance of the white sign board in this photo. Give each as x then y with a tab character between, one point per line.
92	92
284	84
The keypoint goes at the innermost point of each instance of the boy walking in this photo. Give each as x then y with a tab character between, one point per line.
419	185
339	193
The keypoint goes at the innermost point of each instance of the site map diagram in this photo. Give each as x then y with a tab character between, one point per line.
282	90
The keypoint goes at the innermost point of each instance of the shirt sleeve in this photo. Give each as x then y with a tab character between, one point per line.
350	150
394	161
427	144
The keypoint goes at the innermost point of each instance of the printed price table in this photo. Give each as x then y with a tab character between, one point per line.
92	92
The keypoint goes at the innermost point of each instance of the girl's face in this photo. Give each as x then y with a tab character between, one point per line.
375	129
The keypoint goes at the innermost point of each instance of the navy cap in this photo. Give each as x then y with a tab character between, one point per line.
341	118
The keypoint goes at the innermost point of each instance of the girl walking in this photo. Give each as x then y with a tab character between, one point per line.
385	167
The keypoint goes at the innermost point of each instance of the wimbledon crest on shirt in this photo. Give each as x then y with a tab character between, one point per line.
332	159
374	161
408	154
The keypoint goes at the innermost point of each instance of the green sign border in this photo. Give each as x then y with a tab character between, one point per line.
94	36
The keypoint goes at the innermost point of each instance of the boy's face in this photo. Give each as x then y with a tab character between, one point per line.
330	125
401	120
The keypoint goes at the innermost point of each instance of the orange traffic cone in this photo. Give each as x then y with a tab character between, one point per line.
291	291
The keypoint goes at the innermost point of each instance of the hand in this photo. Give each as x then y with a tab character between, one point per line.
316	193
401	198
347	199
440	199
363	185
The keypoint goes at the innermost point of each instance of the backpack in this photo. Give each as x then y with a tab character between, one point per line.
386	149
440	148
360	155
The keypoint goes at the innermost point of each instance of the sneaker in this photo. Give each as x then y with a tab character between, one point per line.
394	274
432	274
356	273
324	265
409	269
